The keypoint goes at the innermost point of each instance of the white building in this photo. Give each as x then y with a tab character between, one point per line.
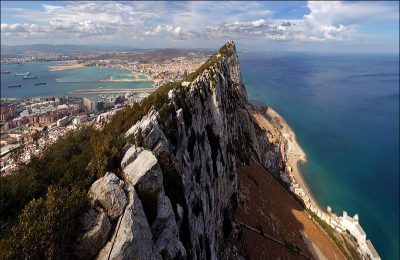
353	226
80	119
63	121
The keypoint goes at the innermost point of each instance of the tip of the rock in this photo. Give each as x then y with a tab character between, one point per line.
228	48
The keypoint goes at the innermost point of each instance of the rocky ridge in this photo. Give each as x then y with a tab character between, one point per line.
178	187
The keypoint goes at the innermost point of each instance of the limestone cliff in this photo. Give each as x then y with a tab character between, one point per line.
178	187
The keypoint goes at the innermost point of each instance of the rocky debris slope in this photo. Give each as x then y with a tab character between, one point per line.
179	186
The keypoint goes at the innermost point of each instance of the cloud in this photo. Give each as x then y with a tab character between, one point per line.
168	29
194	21
332	20
22	30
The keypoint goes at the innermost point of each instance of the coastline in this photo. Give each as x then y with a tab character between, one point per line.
291	154
295	156
291	151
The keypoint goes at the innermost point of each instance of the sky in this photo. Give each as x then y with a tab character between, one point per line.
293	25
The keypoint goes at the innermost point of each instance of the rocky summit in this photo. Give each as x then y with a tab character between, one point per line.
178	189
195	180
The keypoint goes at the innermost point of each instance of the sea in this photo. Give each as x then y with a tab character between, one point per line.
59	83
344	109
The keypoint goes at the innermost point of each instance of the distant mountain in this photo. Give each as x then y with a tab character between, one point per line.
15	50
8	50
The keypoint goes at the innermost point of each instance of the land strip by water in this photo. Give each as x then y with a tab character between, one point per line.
111	90
65	67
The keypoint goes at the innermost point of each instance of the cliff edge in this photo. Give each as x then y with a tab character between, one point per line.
178	193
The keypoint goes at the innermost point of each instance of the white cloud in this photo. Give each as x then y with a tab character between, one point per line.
22	30
195	21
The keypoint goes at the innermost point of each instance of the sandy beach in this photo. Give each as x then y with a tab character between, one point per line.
282	133
65	67
296	155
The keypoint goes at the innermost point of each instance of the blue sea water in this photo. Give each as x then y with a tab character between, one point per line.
344	110
59	83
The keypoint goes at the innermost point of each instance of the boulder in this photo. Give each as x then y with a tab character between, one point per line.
132	238
130	155
144	173
107	192
95	229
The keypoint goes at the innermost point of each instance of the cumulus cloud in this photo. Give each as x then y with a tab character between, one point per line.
22	29
168	29
195	21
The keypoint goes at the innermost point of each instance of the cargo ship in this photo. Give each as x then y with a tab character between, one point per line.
30	77
22	74
15	86
40	83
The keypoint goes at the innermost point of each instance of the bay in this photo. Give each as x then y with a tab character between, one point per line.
59	83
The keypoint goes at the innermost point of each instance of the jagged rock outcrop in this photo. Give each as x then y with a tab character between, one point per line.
96	227
150	133
132	238
107	192
144	172
180	172
145	175
130	155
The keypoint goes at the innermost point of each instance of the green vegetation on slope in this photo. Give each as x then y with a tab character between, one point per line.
41	202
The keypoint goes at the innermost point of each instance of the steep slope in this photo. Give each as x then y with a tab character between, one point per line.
267	206
178	190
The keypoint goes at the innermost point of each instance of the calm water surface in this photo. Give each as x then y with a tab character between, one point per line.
344	110
59	83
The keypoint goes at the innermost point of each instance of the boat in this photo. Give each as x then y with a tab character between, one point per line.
5	72
22	74
15	86
40	83
30	77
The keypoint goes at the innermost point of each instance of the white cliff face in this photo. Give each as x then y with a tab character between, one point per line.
181	177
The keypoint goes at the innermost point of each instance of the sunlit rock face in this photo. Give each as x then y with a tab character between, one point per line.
180	175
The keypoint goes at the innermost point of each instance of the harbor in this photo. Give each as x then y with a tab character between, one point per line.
58	83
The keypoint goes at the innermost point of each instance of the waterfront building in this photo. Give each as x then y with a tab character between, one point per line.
352	225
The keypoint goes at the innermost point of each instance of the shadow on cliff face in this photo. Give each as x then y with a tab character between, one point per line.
266	206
